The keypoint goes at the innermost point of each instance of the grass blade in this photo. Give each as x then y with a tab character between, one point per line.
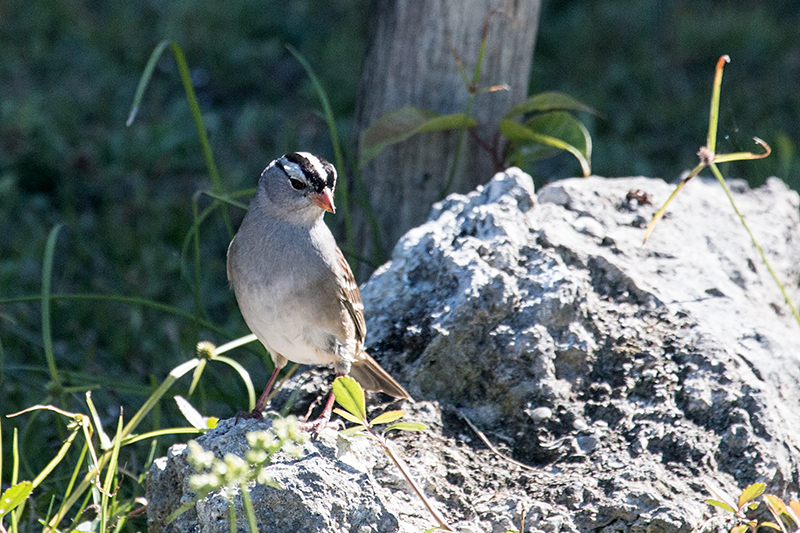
111	473
187	430
245	375
47	335
189	412
721	180
372	218
128	300
744	156
2	378
144	80
57	459
248	509
342	191
661	212
663	209
191	97
235	343
105	442
713	118
174	375
197	374
75	472
213	173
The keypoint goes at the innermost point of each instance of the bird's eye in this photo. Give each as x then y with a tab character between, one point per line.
297	184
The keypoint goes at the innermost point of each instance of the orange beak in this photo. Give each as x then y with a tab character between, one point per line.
323	200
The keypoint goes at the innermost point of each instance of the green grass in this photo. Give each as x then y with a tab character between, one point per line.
124	195
647	64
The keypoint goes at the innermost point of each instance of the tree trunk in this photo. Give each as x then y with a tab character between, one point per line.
410	61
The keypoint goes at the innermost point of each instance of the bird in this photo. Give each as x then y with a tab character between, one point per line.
295	289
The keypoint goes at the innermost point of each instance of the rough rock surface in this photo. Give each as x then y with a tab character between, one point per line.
621	374
329	489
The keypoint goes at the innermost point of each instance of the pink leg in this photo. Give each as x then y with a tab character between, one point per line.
322	421
326	413
262	400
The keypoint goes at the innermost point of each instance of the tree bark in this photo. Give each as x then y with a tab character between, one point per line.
410	61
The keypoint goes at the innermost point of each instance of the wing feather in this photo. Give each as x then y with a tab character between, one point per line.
350	297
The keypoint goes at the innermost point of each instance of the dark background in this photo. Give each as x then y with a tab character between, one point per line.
68	72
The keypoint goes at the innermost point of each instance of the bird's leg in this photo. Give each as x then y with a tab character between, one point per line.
262	400
317	425
326	413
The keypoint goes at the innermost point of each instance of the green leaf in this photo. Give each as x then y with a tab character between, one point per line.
753	491
355	431
720	495
407	426
549	101
563	126
794	511
14	496
189	412
721	505
772	525
558	130
388	416
775	505
347	416
399	125
741	528
350	396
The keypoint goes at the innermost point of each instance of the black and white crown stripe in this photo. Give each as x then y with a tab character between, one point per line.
315	171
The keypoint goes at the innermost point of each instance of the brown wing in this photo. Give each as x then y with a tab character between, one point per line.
351	298
365	369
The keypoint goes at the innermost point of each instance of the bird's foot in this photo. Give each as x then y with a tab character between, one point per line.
249	415
324	421
315	427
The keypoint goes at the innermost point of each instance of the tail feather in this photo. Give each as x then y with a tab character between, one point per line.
372	377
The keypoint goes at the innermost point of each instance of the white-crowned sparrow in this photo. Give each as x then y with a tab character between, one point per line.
294	287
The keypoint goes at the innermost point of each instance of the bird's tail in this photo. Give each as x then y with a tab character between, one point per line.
372	377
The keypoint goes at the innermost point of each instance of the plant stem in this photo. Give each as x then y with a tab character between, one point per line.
721	180
248	508
401	465
711	141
